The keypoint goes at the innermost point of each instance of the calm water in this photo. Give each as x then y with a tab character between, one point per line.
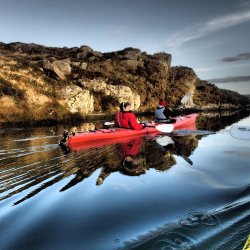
193	193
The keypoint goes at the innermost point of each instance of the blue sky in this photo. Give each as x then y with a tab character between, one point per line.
212	37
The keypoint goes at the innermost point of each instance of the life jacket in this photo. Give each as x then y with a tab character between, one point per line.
127	120
159	114
130	148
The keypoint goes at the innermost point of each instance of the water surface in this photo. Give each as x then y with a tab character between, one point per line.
192	193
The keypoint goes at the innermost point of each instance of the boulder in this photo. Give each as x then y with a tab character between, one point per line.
132	54
76	64
96	54
83	65
84	52
187	100
61	68
164	57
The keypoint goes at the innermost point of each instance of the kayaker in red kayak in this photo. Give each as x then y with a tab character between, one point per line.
125	118
163	114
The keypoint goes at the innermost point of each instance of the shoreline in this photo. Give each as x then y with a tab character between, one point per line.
108	116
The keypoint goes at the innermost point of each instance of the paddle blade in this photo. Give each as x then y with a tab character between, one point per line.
164	140
108	123
165	128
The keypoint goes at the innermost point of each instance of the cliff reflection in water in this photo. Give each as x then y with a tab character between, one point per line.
35	162
215	121
132	157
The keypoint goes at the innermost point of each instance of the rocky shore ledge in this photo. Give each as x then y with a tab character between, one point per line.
39	84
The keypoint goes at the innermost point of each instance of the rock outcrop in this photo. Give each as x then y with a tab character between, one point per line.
76	99
39	83
120	93
57	68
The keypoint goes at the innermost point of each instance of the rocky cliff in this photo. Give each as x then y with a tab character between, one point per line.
43	83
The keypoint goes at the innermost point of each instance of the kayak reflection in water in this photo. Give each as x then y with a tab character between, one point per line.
64	148
134	159
125	118
131	161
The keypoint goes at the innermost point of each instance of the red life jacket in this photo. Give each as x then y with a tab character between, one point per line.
130	148
127	120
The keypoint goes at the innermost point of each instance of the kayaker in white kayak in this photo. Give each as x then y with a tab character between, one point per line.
125	118
164	114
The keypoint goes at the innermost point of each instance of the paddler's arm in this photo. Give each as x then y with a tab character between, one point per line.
134	124
168	112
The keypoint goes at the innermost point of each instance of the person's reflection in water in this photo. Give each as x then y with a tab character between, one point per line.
134	161
131	161
134	165
135	158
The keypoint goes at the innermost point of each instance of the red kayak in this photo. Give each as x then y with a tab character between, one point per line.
101	136
104	142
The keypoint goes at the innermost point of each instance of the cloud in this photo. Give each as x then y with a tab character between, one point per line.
221	67
230	79
239	57
245	4
201	30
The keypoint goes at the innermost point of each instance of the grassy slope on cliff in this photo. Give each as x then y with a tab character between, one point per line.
28	92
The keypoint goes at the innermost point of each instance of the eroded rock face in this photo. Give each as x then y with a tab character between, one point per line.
78	99
119	92
187	100
82	100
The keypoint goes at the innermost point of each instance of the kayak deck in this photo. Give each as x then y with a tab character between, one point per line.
185	122
108	134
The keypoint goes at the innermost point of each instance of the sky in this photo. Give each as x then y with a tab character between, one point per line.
212	37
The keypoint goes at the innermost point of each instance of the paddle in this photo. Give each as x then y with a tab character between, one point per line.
165	141
164	128
112	123
108	123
